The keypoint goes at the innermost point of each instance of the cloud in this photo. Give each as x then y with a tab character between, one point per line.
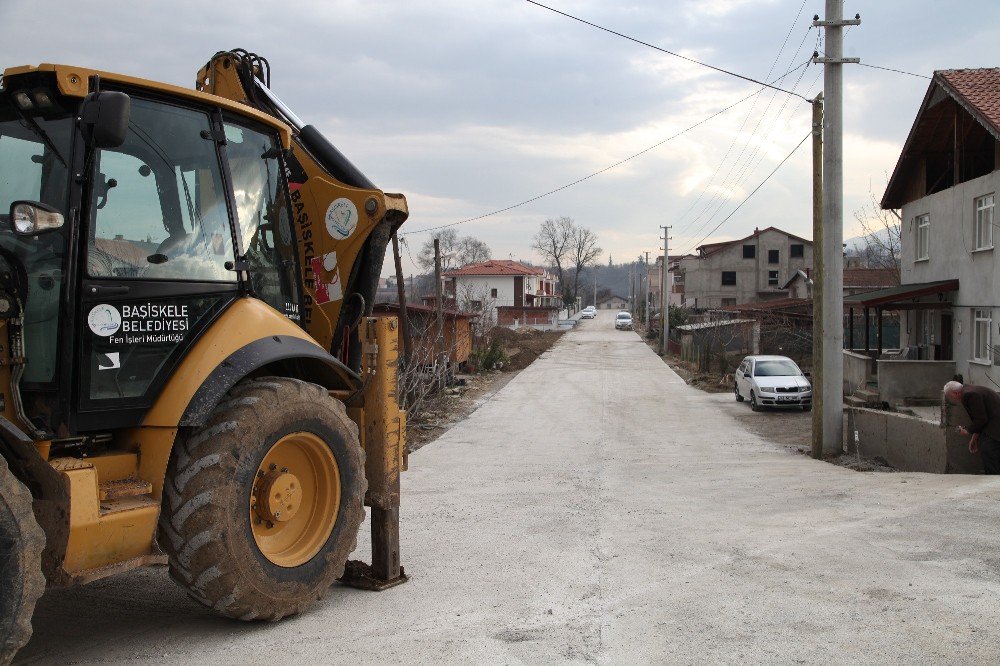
471	107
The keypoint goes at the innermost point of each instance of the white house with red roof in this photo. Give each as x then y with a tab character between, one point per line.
519	294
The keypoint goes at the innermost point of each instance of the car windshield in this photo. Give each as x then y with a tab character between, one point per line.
624	316
775	369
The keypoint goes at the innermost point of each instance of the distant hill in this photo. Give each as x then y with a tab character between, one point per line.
857	243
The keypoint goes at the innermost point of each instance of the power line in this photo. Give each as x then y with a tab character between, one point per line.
890	69
610	167
663	50
732	143
717	201
744	171
787	157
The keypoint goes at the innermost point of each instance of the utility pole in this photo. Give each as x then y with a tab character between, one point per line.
631	289
439	302
832	250
818	272
664	300
404	321
645	294
638	287
595	286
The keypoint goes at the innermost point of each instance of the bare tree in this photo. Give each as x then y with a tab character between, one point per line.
448	242
554	242
584	251
472	250
881	244
476	298
456	251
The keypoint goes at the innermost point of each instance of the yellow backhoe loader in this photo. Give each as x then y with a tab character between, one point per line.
189	373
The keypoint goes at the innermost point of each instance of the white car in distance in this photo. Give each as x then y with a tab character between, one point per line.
623	321
588	312
772	381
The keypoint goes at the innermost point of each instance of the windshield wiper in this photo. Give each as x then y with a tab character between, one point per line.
36	128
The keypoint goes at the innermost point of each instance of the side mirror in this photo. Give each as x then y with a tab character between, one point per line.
30	218
105	116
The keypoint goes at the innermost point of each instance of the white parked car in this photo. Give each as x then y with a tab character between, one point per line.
772	381
623	321
588	312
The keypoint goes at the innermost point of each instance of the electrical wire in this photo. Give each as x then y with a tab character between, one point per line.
718	168
717	200
755	190
898	71
663	50
756	156
607	168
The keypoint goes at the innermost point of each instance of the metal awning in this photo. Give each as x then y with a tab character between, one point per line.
902	297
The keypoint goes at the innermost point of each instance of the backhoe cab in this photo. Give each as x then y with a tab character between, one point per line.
188	371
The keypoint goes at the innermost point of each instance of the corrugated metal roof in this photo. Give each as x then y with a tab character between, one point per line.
901	293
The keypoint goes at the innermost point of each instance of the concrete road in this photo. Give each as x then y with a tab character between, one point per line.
599	510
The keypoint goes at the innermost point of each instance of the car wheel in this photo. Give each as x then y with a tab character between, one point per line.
753	402
739	398
807	408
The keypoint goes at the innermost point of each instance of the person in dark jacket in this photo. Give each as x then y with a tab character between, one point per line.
983	406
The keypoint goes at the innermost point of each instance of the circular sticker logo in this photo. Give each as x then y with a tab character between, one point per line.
104	320
341	218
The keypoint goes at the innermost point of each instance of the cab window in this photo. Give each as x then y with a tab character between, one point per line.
160	209
263	217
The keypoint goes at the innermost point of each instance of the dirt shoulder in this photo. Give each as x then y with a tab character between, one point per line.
522	347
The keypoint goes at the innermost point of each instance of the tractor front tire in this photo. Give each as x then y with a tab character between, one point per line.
262	504
21	578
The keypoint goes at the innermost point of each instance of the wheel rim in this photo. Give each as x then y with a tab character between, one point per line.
295	499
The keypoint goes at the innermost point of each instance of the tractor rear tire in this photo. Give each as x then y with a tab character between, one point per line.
21	578
272	443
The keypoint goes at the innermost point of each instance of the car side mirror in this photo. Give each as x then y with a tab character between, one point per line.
104	118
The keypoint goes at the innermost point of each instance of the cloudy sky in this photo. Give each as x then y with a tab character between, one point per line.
472	106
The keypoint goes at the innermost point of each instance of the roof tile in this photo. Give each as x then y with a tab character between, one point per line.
495	267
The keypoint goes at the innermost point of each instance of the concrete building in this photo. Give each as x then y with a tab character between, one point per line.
945	184
748	269
612	302
505	292
675	282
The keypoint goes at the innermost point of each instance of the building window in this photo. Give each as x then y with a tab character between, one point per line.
475	305
772	278
749	251
923	237
984	222
493	293
798	250
982	323
728	278
773	256
679	278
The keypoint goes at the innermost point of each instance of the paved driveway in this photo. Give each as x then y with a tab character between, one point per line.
598	509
